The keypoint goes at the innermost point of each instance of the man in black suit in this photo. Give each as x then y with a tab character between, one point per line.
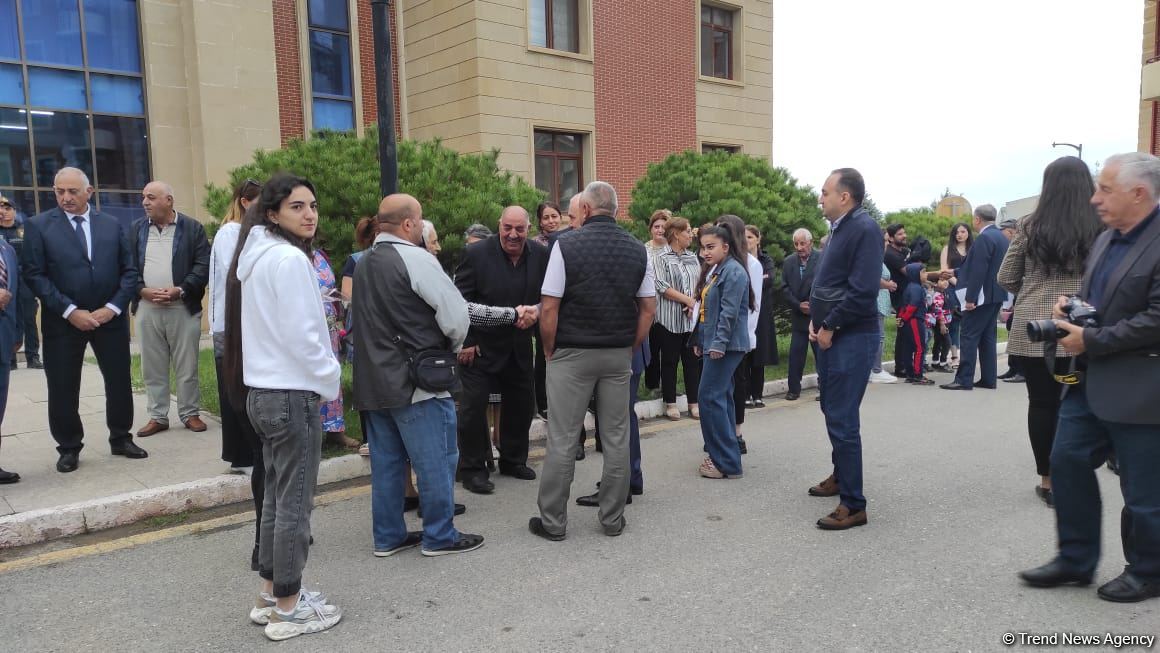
1113	405
504	270
981	303
78	263
797	279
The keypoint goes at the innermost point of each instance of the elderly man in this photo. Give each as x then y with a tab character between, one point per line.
981	297
13	232
503	270
1112	406
797	281
599	299
431	238
79	264
171	254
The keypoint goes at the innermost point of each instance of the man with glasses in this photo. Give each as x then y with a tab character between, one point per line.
13	232
78	262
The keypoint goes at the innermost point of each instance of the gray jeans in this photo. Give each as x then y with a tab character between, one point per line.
289	426
572	376
169	335
881	344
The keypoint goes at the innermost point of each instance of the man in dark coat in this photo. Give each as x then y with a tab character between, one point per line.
797	279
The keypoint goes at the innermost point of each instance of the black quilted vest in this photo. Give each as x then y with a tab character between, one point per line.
603	268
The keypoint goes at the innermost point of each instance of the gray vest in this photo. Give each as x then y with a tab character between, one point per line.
603	267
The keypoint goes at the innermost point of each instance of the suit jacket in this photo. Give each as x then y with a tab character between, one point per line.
484	276
1123	356
190	259
797	287
982	268
60	273
11	330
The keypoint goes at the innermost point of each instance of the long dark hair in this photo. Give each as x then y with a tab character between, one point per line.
274	192
540	213
953	243
1061	229
728	238
736	228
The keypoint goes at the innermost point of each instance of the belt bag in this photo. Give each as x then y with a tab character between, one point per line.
433	370
823	300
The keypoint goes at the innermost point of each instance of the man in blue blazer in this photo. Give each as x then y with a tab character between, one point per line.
10	330
984	298
78	263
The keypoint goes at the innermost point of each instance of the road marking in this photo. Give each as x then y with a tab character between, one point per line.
68	555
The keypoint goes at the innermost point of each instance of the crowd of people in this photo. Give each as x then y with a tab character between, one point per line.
449	371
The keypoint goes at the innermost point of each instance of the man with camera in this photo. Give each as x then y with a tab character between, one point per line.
1109	403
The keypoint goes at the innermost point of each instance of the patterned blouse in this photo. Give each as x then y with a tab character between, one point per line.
1036	292
679	272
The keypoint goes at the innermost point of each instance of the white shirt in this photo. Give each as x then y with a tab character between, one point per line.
555	279
86	226
225	243
756	274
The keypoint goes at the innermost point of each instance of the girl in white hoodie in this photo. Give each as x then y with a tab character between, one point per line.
277	354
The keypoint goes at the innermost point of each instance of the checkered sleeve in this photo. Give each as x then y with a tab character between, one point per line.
482	315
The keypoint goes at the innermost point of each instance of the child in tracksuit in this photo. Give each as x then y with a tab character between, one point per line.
912	324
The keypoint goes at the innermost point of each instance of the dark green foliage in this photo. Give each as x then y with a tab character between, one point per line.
455	189
923	222
701	187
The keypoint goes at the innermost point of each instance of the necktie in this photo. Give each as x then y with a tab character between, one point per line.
80	220
3	273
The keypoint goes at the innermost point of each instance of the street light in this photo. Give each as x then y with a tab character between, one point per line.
385	94
1077	148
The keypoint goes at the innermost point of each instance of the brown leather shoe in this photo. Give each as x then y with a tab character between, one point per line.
841	519
827	488
195	424
152	428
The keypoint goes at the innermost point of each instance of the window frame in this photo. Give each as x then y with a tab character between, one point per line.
556	156
715	28
582	31
304	56
709	147
736	41
29	110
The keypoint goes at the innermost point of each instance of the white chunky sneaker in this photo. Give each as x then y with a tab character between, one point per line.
883	377
265	603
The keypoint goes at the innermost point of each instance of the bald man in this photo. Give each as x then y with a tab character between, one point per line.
171	253
78	263
504	270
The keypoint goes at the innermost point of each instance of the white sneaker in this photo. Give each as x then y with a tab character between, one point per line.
309	616
883	377
260	614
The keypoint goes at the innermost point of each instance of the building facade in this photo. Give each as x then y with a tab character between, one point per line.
1149	134
183	90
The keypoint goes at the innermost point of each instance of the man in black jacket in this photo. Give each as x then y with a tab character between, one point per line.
797	279
171	254
506	269
1113	406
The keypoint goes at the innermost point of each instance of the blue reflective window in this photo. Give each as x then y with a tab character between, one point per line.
111	35
115	94
333	114
15	155
57	89
331	14
126	207
9	38
122	152
62	139
23	200
330	64
11	84
52	32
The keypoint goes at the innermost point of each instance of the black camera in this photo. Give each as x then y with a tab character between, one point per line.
1078	312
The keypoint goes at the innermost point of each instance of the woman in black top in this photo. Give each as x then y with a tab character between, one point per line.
953	256
766	352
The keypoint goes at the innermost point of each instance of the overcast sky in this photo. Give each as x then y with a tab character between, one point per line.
921	95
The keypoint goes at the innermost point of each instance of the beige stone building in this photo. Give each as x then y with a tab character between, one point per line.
183	90
1149	131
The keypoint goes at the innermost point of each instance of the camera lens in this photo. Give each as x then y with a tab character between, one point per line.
1041	330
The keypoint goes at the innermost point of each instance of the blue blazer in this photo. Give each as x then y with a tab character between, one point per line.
981	269
11	329
58	269
726	326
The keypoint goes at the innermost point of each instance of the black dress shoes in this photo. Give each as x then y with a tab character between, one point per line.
536	526
1128	588
68	462
985	386
129	450
522	472
593	500
1006	375
1054	574
954	386
792	396
7	478
478	484
34	363
1018	378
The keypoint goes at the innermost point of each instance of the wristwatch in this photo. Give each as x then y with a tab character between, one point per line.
827	326
181	292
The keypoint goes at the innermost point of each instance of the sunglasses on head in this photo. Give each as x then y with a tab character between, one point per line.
5	205
251	183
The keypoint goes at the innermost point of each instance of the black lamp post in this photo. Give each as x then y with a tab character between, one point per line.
385	94
1077	148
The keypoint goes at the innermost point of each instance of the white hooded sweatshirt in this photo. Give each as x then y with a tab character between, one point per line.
285	342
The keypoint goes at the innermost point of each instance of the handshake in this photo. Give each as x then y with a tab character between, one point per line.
526	316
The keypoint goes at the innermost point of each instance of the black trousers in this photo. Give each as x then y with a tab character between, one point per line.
652	373
64	356
514	383
1044	396
756	378
541	377
239	440
741	388
28	307
674	349
799	344
942	346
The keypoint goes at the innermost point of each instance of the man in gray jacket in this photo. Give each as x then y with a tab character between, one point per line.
403	305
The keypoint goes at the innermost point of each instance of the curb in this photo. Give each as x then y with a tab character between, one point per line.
36	526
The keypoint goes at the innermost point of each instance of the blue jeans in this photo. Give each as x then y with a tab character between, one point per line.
425	434
716	402
1082	443
636	475
842	373
979	340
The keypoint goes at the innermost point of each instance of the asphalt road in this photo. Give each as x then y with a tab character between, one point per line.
703	565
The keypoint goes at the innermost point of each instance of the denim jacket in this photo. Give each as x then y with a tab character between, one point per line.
726	326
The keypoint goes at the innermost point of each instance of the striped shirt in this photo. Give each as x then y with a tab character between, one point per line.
679	272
